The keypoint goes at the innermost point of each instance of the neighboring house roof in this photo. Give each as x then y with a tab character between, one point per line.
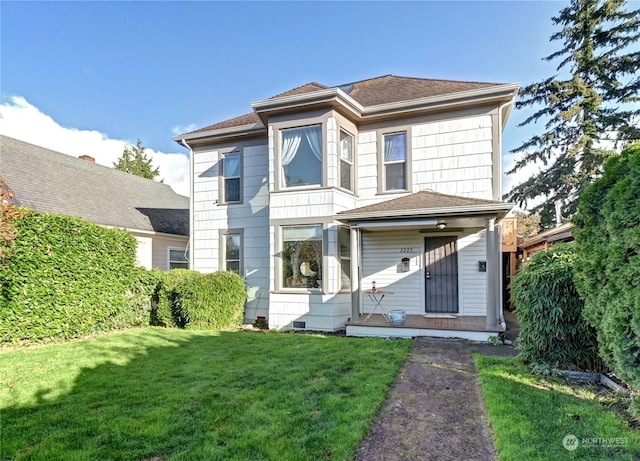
49	181
376	91
425	203
562	233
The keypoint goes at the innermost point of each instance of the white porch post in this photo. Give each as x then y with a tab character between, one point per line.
492	274
355	274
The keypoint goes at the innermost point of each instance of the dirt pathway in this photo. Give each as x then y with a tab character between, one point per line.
434	411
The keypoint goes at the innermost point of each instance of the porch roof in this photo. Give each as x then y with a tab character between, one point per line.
427	204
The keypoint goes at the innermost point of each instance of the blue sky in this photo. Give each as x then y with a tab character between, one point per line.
148	70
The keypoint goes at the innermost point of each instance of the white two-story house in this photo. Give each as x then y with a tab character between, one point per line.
321	192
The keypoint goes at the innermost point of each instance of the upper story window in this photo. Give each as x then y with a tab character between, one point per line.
301	152
395	161
232	187
346	160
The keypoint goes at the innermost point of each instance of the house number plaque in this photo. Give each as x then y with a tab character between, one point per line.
406	250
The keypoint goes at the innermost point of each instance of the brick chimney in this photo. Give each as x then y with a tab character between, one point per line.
88	158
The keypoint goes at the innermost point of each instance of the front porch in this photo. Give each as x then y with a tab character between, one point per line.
473	328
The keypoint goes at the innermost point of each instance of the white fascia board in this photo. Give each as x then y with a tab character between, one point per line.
333	96
252	128
496	208
146	232
395	224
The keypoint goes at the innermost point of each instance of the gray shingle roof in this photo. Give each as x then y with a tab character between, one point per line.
370	92
49	181
423	202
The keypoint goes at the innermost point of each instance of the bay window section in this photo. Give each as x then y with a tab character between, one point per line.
395	161
344	248
301	156
302	256
346	160
231	175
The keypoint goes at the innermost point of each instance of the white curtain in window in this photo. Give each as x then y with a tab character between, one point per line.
394	147
314	137
346	149
290	143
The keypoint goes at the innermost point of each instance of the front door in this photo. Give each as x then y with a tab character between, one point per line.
441	275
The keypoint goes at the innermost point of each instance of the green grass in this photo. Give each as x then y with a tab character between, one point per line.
156	394
530	416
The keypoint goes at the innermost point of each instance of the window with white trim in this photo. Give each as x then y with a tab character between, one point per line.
232	252
395	161
232	180
302	256
178	258
344	255
346	160
301	156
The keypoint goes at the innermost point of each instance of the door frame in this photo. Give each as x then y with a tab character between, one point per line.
455	238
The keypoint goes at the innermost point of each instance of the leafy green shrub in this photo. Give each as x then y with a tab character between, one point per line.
66	277
212	301
607	237
552	329
164	313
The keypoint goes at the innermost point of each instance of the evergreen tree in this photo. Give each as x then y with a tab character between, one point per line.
586	109
135	161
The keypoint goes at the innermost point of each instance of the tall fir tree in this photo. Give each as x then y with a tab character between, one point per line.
587	108
135	161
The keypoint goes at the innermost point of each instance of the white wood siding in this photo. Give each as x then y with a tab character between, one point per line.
161	245
319	312
153	250
451	157
381	259
472	284
207	216
144	250
454	157
252	216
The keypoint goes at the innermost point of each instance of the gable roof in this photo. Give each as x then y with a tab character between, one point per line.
386	89
49	181
425	203
391	88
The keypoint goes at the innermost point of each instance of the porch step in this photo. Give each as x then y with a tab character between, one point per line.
471	328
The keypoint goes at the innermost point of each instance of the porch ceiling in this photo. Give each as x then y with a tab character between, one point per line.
423	225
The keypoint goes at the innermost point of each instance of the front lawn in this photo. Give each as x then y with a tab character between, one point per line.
156	394
531	416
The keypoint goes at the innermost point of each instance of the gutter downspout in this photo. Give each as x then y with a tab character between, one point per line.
191	201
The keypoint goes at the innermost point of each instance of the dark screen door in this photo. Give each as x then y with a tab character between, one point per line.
441	274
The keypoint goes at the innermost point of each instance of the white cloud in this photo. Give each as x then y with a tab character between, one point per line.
182	129
21	120
509	181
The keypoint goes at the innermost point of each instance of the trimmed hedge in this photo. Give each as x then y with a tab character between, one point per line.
212	301
165	313
66	277
552	329
607	235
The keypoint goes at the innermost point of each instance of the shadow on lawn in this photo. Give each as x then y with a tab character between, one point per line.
197	396
532	416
